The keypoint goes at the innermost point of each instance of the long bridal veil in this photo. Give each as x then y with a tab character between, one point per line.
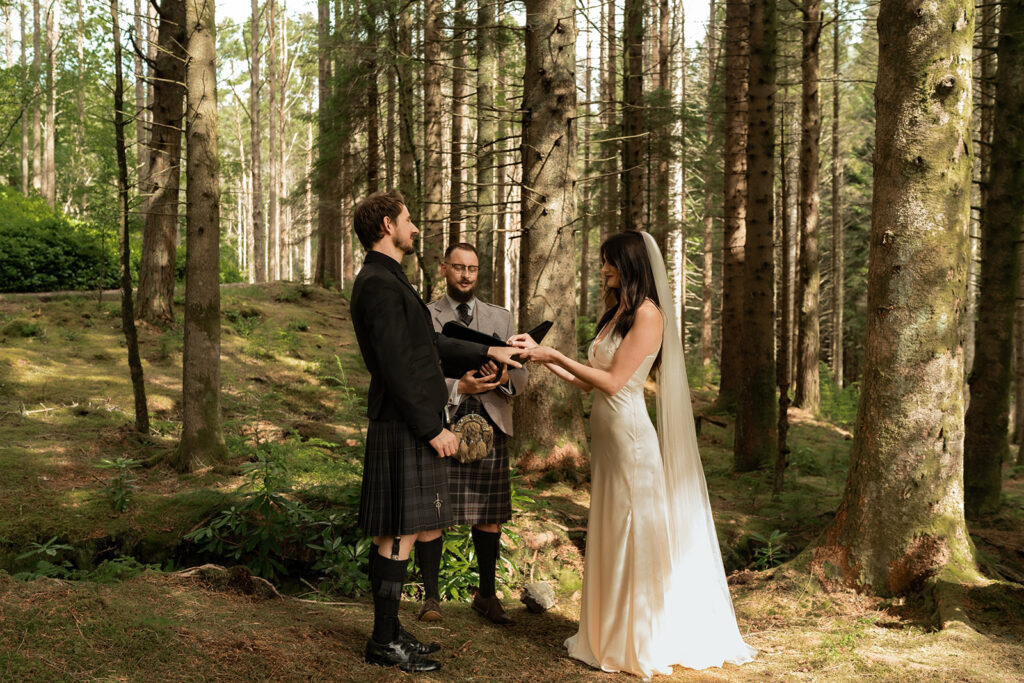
701	628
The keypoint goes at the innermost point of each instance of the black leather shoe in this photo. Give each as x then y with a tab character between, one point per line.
418	647
492	609
399	653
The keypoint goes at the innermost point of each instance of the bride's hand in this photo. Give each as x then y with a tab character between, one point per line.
540	354
522	341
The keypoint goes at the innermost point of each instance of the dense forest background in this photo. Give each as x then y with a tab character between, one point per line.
836	188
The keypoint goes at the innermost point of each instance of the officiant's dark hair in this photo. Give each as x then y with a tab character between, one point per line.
370	212
627	253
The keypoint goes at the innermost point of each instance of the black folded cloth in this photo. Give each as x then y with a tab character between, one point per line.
457	330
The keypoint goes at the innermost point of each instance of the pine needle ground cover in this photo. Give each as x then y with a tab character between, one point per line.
292	375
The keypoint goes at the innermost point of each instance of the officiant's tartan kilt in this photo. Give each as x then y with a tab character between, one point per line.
481	492
403	478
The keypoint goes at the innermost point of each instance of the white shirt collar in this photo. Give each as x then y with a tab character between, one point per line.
455	304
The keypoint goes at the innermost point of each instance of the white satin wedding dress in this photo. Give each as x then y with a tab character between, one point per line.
654	588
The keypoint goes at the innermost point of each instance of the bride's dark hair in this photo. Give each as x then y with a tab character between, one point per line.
626	252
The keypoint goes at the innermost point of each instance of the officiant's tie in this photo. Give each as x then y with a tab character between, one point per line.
464	316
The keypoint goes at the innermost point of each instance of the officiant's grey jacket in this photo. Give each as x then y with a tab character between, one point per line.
489	319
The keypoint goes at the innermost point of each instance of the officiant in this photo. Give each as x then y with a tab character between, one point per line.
480	490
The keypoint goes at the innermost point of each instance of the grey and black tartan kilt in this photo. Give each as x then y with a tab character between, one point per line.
480	491
405	483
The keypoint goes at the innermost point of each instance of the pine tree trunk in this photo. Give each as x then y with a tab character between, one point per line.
486	204
838	274
390	144
459	108
550	413
662	146
37	97
49	174
708	218
735	191
259	232
307	233
807	394
140	106
634	143
586	196
986	439
25	180
756	427
127	319
1018	358
273	205
202	438
160	235
609	150
784	362
328	254
900	526
433	227
372	126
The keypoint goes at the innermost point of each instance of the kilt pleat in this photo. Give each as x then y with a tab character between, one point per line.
405	484
480	491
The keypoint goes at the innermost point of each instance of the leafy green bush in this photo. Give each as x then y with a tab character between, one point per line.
42	250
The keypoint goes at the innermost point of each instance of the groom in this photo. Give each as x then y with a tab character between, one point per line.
405	482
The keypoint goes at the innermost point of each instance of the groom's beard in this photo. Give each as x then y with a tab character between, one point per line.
461	297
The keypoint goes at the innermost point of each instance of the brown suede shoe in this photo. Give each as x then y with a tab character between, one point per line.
492	609
431	610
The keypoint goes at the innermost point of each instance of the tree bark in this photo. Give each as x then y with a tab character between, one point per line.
735	200
662	145
609	150
273	205
900	526
586	196
259	232
784	362
756	418
458	131
160	236
127	319
838	265
808	393
49	173
142	154
708	218
550	414
986	439
328	255
634	133
486	204
432	239
25	180
37	95
202	438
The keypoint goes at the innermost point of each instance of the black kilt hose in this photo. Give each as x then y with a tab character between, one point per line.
480	491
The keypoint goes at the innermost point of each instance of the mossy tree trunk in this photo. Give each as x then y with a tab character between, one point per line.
160	234
550	414
756	428
986	440
737	56
900	525
807	394
202	438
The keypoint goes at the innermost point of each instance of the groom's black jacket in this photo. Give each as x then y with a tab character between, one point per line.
401	349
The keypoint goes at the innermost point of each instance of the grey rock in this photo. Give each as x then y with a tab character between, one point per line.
538	597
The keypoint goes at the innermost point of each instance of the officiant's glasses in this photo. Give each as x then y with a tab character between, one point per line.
462	268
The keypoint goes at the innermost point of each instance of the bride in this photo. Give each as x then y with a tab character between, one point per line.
654	588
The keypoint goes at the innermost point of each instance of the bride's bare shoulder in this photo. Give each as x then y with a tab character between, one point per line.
651	311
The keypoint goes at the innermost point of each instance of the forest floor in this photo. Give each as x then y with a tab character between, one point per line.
291	371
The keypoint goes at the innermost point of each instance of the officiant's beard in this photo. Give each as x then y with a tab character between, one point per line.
461	297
